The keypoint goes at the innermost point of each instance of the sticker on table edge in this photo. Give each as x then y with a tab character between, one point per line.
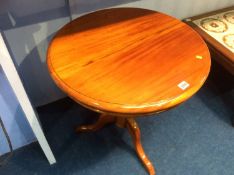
183	85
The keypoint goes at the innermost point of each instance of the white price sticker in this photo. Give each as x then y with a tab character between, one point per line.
183	85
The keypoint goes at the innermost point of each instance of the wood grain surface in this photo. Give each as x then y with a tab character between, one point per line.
128	61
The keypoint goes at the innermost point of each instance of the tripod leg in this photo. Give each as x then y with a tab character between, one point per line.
101	122
135	133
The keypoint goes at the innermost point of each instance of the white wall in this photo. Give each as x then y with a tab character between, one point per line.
30	57
28	26
177	8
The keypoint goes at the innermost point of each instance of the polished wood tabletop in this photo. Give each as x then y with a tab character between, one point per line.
125	62
128	61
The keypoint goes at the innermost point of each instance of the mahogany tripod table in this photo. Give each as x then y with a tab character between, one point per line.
128	62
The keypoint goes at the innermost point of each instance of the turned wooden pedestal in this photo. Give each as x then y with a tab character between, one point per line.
127	62
133	129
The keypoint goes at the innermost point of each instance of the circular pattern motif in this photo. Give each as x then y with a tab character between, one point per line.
229	17
214	25
229	40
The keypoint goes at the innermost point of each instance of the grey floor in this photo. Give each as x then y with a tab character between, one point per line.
196	138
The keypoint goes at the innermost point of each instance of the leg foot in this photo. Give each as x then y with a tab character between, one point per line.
132	127
101	122
135	133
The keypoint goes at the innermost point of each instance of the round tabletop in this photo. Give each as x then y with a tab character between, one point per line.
128	61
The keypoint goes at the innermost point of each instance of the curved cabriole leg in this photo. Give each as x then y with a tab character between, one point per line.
135	133
101	122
